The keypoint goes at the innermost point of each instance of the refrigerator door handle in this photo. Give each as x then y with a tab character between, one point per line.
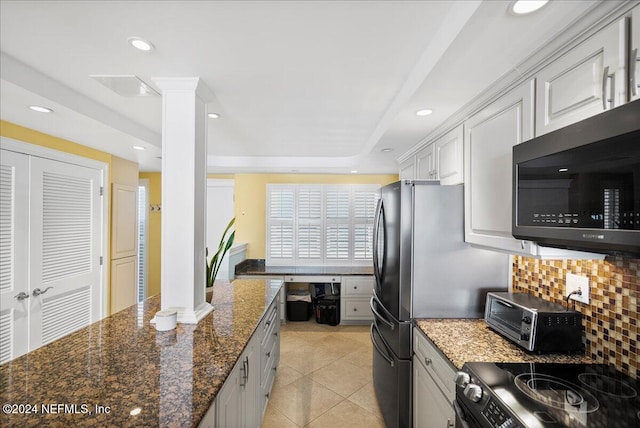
378	315
377	268
384	355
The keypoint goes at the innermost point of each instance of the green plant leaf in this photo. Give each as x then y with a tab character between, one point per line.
216	261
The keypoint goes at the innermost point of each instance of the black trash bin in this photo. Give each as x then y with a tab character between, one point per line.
328	310
298	306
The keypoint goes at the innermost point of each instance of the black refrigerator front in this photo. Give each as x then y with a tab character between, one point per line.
423	269
391	327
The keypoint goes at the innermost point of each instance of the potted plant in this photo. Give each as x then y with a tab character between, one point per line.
214	264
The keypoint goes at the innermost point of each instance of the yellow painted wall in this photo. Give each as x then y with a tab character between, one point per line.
251	201
154	233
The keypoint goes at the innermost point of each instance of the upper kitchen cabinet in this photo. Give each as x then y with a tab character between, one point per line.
587	80
426	163
634	55
440	159
449	155
489	136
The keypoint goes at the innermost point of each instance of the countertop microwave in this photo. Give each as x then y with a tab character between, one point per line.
579	187
533	323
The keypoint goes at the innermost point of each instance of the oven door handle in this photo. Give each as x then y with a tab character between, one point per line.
460	416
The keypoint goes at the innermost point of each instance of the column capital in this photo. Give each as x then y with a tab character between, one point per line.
192	84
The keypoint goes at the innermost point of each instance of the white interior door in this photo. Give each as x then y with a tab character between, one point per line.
219	212
64	249
14	232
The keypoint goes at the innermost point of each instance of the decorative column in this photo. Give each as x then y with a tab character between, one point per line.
184	175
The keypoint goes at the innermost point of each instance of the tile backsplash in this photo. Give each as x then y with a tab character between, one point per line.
610	320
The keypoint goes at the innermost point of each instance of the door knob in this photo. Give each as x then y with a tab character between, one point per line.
21	296
38	292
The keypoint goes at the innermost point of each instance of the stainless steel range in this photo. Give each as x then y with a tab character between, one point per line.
535	395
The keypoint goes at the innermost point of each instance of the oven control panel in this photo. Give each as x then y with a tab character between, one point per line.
497	417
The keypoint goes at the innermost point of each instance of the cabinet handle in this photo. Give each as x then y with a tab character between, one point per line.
632	72
449	423
355	310
427	361
275	334
605	78
355	287
268	354
268	323
266	395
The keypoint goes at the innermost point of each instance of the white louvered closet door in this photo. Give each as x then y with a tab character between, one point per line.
14	232
64	249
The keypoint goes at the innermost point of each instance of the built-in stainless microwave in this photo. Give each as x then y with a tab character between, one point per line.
579	187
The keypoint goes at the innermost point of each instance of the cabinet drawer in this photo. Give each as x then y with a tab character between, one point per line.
356	310
357	286
312	278
436	365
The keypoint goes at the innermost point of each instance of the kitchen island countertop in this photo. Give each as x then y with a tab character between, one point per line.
467	340
120	371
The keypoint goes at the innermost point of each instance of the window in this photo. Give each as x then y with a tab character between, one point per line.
320	224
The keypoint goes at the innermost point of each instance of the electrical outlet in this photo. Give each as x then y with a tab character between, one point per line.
577	282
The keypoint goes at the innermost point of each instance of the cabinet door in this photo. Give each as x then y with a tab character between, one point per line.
634	59
124	283
448	156
430	407
251	410
228	401
585	81
489	138
407	170
426	163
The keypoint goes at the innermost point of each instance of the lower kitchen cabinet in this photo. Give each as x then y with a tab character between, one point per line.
356	291
243	398
433	386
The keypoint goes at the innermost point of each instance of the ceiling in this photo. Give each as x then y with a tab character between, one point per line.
304	86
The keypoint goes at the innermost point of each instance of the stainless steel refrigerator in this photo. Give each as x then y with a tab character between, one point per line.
423	269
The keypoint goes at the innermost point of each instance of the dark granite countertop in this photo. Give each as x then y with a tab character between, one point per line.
258	267
467	340
122	363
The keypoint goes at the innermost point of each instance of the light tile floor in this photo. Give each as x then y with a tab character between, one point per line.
324	378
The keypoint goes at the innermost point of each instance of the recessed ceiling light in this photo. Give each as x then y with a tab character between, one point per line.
138	147
41	109
424	112
354	171
387	150
140	44
213	115
563	170
523	7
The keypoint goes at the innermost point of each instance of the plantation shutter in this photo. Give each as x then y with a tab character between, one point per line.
364	206
337	205
309	228
143	212
280	219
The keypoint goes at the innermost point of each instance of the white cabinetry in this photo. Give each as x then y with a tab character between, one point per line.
243	397
441	159
448	153
355	293
585	81
236	404
269	353
634	56
489	136
408	169
433	387
426	163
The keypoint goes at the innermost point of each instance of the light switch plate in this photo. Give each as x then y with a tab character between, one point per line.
577	282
